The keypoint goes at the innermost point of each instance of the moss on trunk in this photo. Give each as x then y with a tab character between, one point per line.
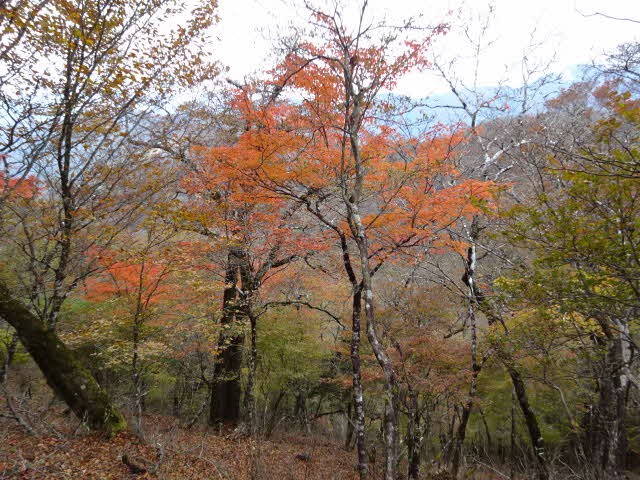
64	373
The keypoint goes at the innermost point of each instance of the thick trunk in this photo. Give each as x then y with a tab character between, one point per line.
610	431
249	400
64	373
531	422
226	392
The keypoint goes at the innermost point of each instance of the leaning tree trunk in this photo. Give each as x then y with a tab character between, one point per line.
64	373
388	371
531	421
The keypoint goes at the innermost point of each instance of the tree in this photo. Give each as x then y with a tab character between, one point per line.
255	231
137	282
495	141
582	229
109	77
373	191
63	371
68	122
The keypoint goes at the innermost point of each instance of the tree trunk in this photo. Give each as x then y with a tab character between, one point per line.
489	448
136	377
610	434
177	398
461	433
390	414
357	390
226	393
413	438
273	419
358	395
64	373
531	422
512	438
535	436
348	438
249	400
390	437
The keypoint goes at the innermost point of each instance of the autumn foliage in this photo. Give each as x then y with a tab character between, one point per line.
307	274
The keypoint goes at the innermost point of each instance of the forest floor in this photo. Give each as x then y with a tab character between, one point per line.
61	450
173	452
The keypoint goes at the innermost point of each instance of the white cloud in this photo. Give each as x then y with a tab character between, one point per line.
249	28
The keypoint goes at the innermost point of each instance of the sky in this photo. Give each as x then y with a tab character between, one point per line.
538	30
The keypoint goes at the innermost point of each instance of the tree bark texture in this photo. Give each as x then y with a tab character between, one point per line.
226	393
62	370
531	421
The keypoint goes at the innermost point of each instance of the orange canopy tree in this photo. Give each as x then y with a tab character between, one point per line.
259	235
139	282
373	190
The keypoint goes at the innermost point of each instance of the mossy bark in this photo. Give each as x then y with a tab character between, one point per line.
226	393
64	373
